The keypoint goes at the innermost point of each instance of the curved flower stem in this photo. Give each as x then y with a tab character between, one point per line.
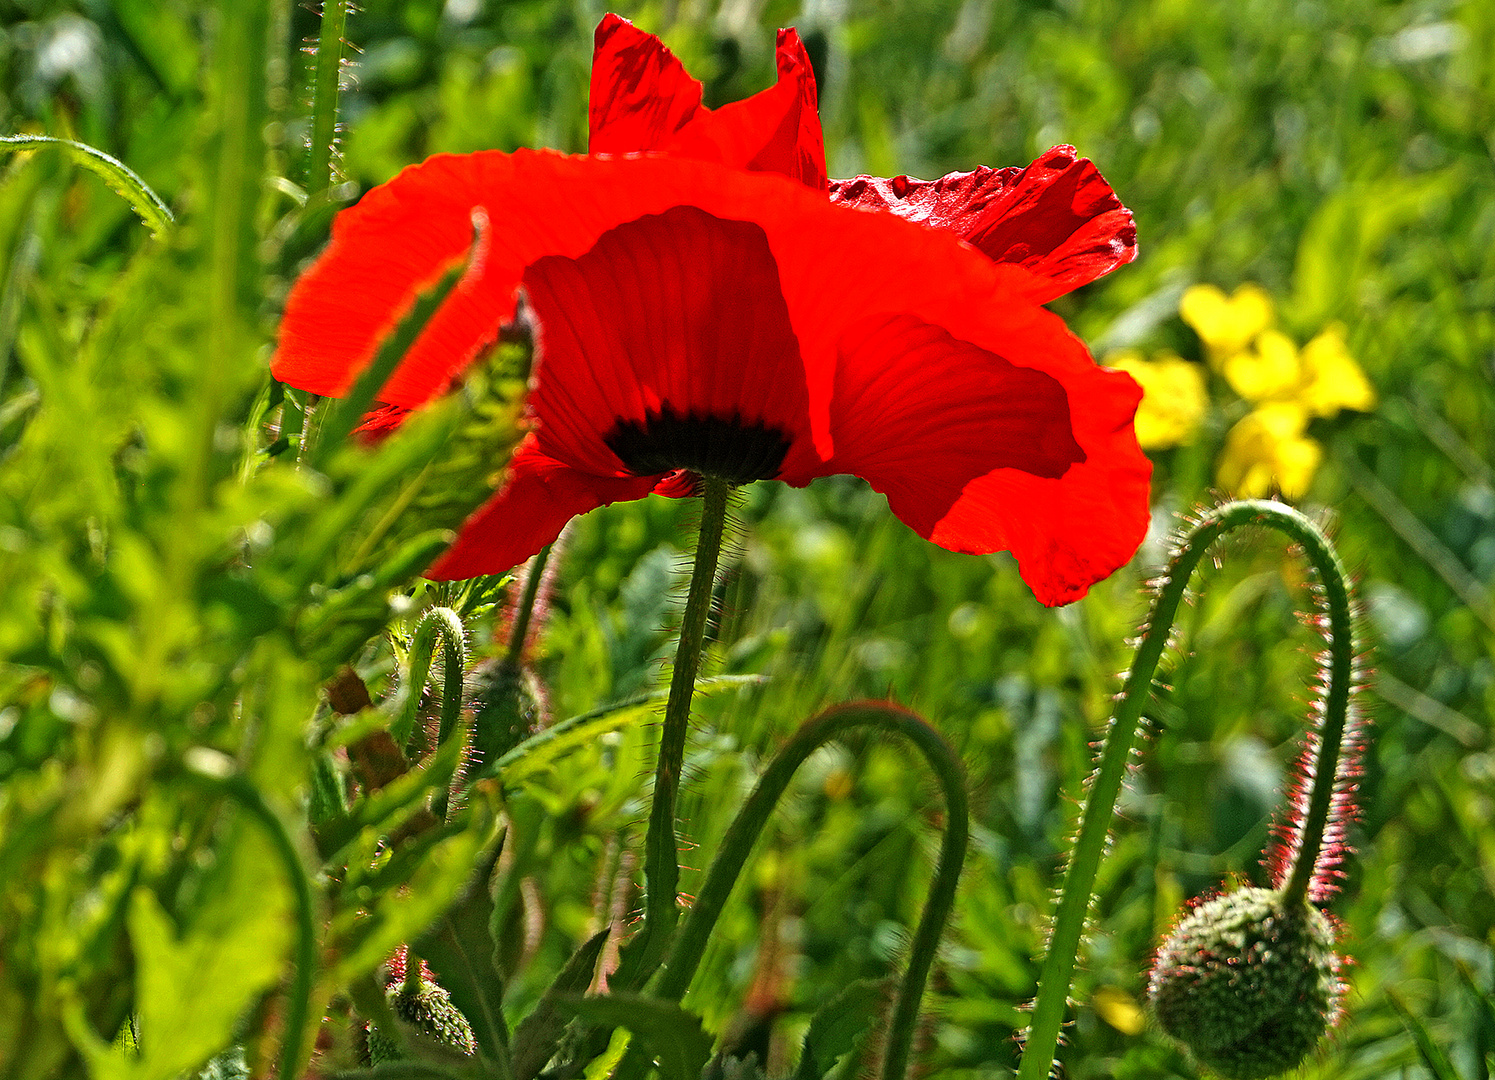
1079	879
690	944
445	623
661	856
1307	844
525	609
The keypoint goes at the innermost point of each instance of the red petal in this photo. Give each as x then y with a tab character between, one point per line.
380	423
834	266
1058	218
399	238
679	311
641	95
539	496
776	130
1024	445
836	271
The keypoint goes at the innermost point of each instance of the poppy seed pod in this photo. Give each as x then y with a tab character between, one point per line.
428	1008
1248	982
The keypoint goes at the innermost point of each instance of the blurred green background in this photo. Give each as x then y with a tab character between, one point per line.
1340	154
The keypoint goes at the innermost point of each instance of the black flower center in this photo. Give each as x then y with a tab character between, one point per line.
735	450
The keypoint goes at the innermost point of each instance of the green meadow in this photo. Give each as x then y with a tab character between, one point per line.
233	775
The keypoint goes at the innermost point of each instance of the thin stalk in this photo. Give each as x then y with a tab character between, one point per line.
661	857
1309	842
690	944
411	983
526	608
1079	878
326	76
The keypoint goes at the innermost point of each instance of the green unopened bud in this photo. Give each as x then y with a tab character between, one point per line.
427	1008
1248	982
508	706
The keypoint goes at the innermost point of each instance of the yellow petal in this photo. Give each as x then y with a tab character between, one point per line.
1269	370
1333	380
1119	1009
1296	462
1173	397
1226	325
1281	420
1268	451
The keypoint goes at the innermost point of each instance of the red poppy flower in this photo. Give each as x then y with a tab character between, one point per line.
699	314
1057	218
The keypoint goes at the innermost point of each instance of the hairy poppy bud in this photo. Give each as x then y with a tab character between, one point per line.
1248	982
508	706
428	1008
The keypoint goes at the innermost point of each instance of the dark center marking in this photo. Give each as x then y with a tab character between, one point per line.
735	450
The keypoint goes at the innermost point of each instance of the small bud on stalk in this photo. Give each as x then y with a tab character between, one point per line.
1248	981
426	1006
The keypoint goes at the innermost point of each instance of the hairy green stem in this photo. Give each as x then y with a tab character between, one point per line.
525	609
689	945
1308	842
661	857
325	79
440	622
1079	878
411	983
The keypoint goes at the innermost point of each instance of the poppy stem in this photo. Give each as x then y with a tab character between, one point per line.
661	856
298	1012
326	80
1057	974
690	945
524	610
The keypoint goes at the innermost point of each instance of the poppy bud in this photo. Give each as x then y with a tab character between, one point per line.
428	1008
1248	982
508	706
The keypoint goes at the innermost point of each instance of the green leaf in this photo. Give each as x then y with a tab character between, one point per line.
191	989
460	950
364	937
667	1033
838	1025
119	176
540	751
539	1033
402	1070
392	804
1481	995
1433	1057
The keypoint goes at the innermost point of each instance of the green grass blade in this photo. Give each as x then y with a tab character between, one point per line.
119	176
1432	1056
343	414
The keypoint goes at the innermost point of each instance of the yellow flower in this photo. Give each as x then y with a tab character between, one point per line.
1270	370
1173	397
1226	325
1331	378
1267	450
1119	1009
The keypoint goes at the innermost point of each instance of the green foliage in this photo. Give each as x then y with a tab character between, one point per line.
173	583
669	1034
840	1025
